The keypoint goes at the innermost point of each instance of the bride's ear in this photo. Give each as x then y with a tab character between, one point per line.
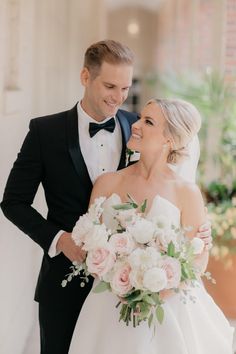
167	145
170	144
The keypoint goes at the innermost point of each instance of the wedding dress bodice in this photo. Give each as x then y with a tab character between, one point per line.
160	205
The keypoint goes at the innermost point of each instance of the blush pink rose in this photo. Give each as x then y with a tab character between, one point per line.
123	243
173	271
100	261
120	282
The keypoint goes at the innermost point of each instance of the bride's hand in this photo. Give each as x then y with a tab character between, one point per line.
164	294
204	233
66	245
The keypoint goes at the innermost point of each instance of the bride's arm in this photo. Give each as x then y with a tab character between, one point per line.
194	215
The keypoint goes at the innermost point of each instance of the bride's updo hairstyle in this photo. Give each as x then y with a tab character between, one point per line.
183	122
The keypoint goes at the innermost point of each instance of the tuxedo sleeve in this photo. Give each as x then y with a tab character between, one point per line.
21	187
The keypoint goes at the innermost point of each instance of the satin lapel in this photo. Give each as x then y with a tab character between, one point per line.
74	147
126	131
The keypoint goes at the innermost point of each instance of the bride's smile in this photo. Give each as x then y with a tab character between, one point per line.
148	133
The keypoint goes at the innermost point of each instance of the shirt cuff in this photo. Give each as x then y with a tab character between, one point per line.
52	252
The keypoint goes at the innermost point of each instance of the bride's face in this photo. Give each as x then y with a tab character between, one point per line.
148	132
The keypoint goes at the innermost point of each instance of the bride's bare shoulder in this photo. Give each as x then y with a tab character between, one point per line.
106	184
188	193
108	178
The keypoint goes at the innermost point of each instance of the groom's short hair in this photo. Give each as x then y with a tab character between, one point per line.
110	51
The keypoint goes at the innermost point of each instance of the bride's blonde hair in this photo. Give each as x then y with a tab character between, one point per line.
183	121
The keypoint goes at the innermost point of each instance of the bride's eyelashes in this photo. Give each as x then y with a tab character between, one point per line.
148	121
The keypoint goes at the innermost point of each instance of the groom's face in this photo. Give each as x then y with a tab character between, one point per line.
107	91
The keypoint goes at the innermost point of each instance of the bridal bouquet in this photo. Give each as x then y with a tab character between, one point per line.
135	257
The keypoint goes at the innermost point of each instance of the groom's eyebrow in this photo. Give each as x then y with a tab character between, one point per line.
113	85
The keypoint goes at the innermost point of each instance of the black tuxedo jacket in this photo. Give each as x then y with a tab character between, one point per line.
51	155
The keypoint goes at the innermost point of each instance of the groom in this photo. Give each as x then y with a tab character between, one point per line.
66	152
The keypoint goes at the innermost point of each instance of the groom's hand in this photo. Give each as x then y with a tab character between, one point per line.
66	245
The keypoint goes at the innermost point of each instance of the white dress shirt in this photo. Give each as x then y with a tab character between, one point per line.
101	153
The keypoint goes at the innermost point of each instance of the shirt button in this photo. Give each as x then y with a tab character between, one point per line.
101	144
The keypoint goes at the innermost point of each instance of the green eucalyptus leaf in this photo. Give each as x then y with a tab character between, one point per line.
144	206
144	310
184	271
171	249
132	201
177	254
150	319
124	206
156	298
160	314
149	300
135	296
102	286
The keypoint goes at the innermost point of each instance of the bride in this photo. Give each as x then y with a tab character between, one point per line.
162	135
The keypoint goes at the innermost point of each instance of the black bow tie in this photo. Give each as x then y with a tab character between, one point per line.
109	126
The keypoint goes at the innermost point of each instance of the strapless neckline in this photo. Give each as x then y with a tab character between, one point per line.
157	196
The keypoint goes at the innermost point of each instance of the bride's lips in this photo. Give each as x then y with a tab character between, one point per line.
136	136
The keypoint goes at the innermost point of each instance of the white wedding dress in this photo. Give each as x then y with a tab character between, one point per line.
191	328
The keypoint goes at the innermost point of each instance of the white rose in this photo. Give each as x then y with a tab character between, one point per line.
161	221
96	237
155	279
136	279
81	228
109	213
142	231
107	277
164	237
144	258
126	217
96	209
198	245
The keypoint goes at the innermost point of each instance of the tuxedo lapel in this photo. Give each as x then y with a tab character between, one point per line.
126	131
74	147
